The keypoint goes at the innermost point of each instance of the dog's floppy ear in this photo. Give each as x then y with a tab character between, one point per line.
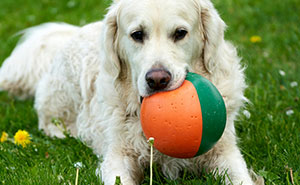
109	38
212	27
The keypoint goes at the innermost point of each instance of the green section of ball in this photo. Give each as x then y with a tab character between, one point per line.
213	111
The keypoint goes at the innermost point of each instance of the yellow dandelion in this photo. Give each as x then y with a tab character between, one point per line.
22	137
255	39
3	137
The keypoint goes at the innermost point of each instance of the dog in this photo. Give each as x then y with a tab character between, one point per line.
93	78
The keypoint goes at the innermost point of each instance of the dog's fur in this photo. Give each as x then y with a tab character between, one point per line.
92	77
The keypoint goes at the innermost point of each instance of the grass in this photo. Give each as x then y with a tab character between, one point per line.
269	139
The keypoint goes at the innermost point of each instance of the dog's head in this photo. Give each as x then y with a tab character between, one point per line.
154	43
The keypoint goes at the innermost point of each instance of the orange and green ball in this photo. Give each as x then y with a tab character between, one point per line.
185	122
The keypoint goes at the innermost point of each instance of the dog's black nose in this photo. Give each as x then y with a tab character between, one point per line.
158	78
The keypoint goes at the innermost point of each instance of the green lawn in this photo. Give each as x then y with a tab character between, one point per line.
269	138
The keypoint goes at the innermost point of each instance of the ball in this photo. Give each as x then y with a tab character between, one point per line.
185	122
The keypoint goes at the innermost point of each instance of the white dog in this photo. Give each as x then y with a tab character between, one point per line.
93	77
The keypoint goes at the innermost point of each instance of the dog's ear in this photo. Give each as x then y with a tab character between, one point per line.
212	28
109	43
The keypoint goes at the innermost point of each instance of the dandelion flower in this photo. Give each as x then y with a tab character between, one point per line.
78	165
22	137
255	39
3	137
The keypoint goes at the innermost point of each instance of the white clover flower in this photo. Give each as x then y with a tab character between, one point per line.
281	72
289	112
247	114
294	84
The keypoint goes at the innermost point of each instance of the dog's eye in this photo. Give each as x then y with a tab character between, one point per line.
138	36
179	34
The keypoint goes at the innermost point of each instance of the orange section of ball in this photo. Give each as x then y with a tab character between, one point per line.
174	120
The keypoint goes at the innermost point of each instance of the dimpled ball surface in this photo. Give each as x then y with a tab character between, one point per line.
185	122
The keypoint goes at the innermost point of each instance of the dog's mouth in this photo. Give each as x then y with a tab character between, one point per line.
173	87
141	99
170	87
175	80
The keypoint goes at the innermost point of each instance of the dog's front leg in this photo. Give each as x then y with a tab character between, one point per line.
226	157
118	162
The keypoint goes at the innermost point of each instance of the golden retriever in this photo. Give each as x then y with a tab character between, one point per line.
93	77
